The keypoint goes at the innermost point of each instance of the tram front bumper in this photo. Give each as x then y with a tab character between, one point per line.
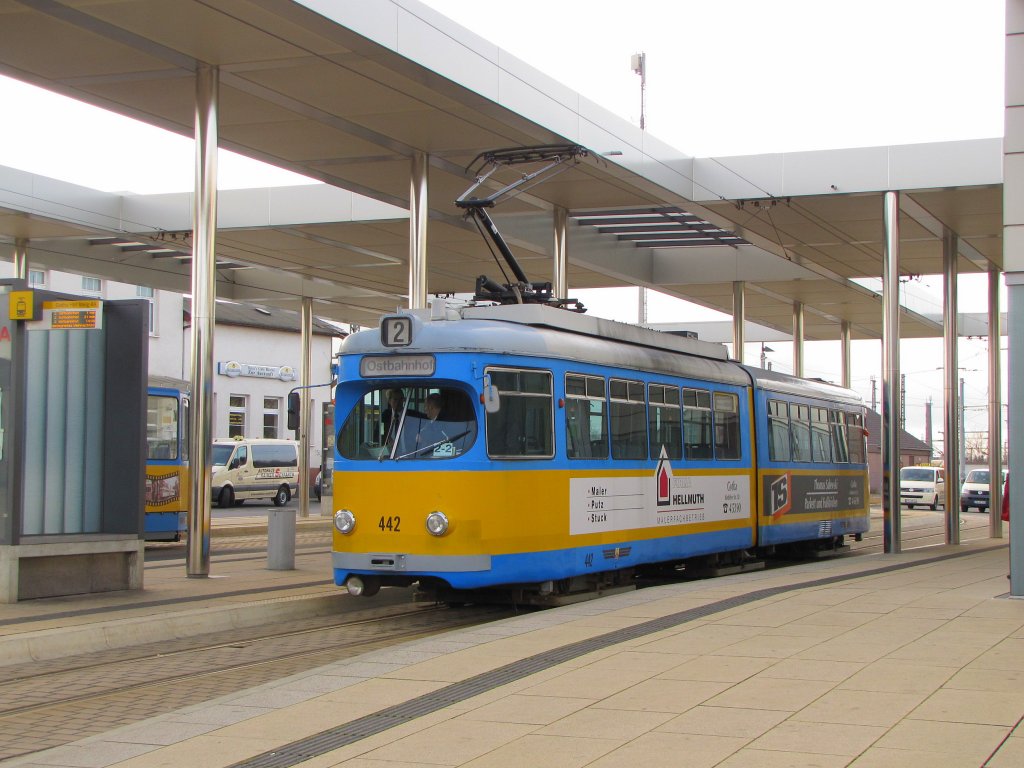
394	562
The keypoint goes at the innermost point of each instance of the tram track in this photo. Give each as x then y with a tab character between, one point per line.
88	695
928	531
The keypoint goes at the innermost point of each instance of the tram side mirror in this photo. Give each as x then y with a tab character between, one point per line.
294	406
492	402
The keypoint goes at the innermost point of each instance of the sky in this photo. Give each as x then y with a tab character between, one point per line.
722	78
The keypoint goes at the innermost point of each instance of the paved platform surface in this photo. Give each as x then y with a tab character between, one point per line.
878	660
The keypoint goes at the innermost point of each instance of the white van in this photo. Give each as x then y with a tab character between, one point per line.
923	486
974	493
254	469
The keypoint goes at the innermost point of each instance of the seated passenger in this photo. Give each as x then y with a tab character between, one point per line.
433	406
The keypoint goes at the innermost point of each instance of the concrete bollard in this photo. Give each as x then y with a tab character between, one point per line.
281	540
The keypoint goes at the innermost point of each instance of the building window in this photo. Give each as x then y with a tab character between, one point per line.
36	278
92	284
271	416
236	416
147	293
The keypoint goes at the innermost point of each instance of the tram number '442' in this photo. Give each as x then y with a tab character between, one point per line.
390	524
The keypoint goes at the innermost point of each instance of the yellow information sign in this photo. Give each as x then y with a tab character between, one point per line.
21	305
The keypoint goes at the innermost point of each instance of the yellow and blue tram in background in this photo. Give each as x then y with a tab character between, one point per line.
537	449
167	435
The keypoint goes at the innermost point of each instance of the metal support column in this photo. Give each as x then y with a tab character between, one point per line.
418	214
891	376
995	407
798	339
845	344
21	258
560	278
306	411
204	295
739	312
951	439
1015	426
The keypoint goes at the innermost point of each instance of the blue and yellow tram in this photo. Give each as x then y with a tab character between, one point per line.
529	447
167	435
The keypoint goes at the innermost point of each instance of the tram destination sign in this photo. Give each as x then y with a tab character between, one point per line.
373	367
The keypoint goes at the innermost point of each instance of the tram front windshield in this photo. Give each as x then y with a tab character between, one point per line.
409	423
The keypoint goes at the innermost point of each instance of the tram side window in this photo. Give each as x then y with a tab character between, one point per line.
586	423
821	440
779	448
840	448
523	426
856	438
727	426
161	427
665	421
697	424
628	418
800	423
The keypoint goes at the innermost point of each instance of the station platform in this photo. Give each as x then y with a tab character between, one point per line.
873	660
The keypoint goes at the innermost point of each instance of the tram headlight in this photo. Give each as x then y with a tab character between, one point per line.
344	521
437	524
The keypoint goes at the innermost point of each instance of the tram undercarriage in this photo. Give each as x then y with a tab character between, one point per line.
560	592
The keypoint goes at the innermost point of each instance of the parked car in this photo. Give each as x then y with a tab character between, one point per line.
974	493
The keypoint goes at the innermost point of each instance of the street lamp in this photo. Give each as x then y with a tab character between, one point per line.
764	356
638	61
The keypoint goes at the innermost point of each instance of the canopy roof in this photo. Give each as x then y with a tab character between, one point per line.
347	93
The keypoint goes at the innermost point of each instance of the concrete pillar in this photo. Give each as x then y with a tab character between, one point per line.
846	344
1013	265
204	295
995	407
951	442
306	411
738	318
1015	426
418	214
798	339
21	258
560	278
891	376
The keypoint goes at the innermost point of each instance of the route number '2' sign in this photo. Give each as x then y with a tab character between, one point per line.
396	331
